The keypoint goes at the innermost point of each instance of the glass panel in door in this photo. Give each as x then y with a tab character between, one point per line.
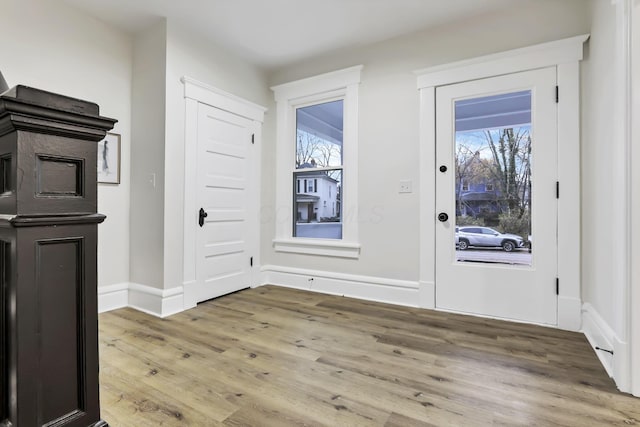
493	180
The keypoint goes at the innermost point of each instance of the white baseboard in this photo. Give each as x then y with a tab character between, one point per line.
157	302
113	297
154	301
621	365
601	335
392	291
569	313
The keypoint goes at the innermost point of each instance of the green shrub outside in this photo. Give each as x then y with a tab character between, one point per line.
506	224
515	225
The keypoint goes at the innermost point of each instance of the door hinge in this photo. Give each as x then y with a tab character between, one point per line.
557	286
253	138
557	189
251	262
557	94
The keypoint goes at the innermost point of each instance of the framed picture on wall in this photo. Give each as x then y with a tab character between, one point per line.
109	159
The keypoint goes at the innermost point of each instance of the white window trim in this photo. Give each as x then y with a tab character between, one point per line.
565	55
341	84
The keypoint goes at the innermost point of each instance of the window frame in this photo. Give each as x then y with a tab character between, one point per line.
341	84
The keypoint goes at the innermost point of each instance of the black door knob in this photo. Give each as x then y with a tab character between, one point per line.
443	168
442	217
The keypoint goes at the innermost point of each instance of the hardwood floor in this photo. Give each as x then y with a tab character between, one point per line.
273	356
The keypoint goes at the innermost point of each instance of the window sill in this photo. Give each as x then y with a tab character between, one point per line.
322	247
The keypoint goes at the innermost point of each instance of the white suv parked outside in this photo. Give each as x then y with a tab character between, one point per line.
472	235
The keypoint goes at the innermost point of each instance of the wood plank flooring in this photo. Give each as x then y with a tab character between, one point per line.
273	356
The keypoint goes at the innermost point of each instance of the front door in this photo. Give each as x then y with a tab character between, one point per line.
224	190
496	197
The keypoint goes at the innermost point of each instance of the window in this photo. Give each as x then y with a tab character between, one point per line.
489	187
465	187
317	143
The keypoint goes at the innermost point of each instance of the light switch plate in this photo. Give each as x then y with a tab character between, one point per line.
406	186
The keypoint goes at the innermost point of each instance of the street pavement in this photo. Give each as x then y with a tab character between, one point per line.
517	257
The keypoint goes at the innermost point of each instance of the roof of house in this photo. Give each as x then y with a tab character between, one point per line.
322	174
479	196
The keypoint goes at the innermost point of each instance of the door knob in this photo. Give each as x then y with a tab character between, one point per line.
202	215
442	217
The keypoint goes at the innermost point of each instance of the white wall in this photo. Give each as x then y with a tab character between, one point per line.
147	155
606	244
599	162
51	46
163	54
389	126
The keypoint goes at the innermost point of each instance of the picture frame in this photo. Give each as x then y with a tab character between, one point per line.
109	159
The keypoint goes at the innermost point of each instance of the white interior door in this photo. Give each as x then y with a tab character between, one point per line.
225	190
496	196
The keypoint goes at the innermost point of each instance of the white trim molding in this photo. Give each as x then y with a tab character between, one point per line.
154	301
623	329
318	84
626	286
391	291
634	157
210	95
565	56
512	61
602	338
342	84
569	312
150	300
113	297
623	223
324	247
427	199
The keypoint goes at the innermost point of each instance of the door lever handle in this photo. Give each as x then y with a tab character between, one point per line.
202	215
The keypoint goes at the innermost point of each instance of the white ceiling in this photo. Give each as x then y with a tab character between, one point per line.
273	33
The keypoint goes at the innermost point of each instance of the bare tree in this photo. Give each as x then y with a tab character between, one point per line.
511	166
319	152
306	148
328	152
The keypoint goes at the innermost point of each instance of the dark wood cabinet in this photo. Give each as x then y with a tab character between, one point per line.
48	259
